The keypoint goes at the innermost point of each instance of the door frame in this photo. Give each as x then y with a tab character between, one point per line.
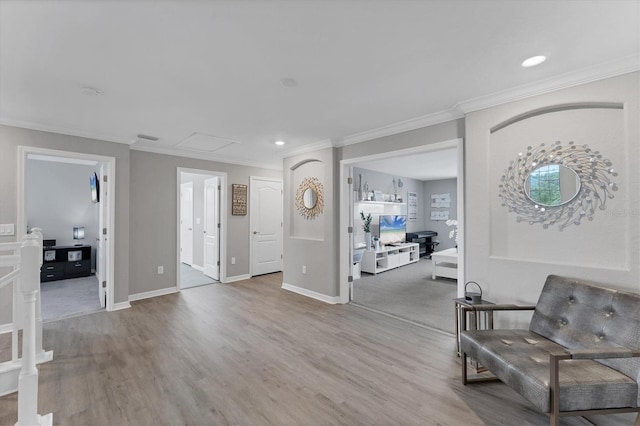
223	220
252	213
346	210
110	168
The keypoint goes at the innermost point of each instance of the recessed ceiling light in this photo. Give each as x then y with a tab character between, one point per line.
279	143
288	82
91	91
533	61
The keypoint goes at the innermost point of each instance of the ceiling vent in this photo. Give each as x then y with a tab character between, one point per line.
202	142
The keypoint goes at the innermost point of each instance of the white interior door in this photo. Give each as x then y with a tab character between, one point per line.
102	249
186	223
266	225
211	228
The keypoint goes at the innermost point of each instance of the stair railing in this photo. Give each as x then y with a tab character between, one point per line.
25	262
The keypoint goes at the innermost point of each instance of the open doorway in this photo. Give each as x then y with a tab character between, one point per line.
69	196
411	198
200	227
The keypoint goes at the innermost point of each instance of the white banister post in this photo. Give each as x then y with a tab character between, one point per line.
39	347
28	380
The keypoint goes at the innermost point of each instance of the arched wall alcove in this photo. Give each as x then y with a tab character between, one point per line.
596	124
302	227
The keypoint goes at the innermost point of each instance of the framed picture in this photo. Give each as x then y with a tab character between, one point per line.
95	188
377	195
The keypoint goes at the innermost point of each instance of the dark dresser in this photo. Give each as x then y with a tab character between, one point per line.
64	262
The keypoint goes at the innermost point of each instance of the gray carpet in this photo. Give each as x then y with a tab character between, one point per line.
66	298
190	277
409	292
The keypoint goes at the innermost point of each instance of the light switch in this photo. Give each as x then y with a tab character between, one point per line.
7	229
197	221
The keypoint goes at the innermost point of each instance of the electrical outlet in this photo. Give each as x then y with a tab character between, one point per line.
304	269
233	260
160	270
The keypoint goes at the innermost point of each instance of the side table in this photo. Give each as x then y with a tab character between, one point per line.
468	319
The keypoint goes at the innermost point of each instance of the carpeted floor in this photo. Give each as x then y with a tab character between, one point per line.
66	298
409	292
190	277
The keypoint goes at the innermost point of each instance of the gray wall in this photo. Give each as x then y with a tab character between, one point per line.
440	226
511	260
58	197
317	249
154	217
11	138
427	135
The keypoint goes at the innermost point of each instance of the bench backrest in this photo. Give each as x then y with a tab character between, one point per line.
579	314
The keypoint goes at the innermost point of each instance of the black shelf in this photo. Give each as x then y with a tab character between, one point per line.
425	241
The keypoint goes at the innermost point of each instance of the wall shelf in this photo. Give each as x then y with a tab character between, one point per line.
391	203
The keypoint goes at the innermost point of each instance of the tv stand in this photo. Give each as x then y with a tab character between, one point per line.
389	257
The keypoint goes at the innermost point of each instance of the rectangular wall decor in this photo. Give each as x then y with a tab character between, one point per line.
238	199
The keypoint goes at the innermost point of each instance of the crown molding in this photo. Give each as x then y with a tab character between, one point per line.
621	66
176	152
63	131
402	126
305	149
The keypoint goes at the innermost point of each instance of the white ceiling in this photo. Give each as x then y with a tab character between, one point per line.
364	68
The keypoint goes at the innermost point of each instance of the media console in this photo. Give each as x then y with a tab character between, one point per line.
61	263
389	257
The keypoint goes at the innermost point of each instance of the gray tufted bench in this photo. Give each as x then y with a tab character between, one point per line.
580	355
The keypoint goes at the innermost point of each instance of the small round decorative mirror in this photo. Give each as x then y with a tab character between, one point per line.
552	185
309	198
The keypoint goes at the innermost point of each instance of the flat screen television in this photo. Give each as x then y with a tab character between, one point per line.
94	183
393	229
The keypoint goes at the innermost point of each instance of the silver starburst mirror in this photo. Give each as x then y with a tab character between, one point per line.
557	185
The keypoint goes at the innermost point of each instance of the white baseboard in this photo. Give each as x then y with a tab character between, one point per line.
236	278
121	305
6	328
198	268
313	294
153	293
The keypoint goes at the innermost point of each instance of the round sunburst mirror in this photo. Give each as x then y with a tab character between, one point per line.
310	198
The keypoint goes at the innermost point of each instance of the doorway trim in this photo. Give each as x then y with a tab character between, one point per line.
223	220
110	167
346	212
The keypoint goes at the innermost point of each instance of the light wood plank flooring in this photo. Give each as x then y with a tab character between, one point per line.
249	353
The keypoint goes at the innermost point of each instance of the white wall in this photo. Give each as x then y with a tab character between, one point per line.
441	186
58	198
511	260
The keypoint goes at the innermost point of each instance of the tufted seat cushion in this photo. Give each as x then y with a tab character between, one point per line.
577	314
520	358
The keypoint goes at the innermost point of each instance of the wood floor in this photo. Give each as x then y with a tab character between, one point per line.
249	353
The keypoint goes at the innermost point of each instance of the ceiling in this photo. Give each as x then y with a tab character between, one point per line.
224	80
